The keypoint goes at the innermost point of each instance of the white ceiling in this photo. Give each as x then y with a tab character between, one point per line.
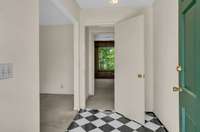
106	3
51	15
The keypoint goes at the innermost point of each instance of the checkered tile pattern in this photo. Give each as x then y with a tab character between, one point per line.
91	120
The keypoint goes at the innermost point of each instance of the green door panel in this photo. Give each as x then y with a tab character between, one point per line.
186	4
189	57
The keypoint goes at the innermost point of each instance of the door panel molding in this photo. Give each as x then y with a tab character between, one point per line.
129	61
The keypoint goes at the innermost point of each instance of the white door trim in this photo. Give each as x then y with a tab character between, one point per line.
76	52
91	47
76	67
83	95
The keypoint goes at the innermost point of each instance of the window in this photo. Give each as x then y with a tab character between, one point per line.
104	59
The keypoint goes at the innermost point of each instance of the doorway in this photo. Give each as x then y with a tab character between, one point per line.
56	77
129	66
58	65
104	76
102	58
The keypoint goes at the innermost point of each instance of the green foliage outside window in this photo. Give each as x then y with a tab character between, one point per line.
106	58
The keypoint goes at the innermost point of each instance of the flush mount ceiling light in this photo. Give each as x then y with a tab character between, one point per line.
114	2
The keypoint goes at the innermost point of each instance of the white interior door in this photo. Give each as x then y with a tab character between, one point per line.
129	84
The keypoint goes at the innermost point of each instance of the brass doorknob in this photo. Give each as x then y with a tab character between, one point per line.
177	89
179	68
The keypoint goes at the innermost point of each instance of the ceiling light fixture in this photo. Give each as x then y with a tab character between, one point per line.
114	2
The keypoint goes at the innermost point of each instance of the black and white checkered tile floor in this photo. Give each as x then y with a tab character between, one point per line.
91	120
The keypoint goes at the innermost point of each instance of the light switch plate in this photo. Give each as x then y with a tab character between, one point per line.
6	71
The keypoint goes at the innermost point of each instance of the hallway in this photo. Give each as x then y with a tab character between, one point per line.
104	95
48	69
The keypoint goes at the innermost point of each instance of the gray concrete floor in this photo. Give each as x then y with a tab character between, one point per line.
56	112
104	95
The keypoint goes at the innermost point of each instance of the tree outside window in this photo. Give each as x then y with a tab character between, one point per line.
106	59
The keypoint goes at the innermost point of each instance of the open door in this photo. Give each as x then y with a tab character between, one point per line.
190	65
129	70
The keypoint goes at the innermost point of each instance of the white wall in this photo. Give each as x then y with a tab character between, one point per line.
56	59
19	44
166	104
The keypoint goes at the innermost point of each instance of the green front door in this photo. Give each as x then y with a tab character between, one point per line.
189	12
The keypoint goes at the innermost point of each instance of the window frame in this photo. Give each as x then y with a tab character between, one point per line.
102	73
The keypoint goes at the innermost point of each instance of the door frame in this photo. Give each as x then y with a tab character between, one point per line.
102	74
91	47
76	29
83	95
